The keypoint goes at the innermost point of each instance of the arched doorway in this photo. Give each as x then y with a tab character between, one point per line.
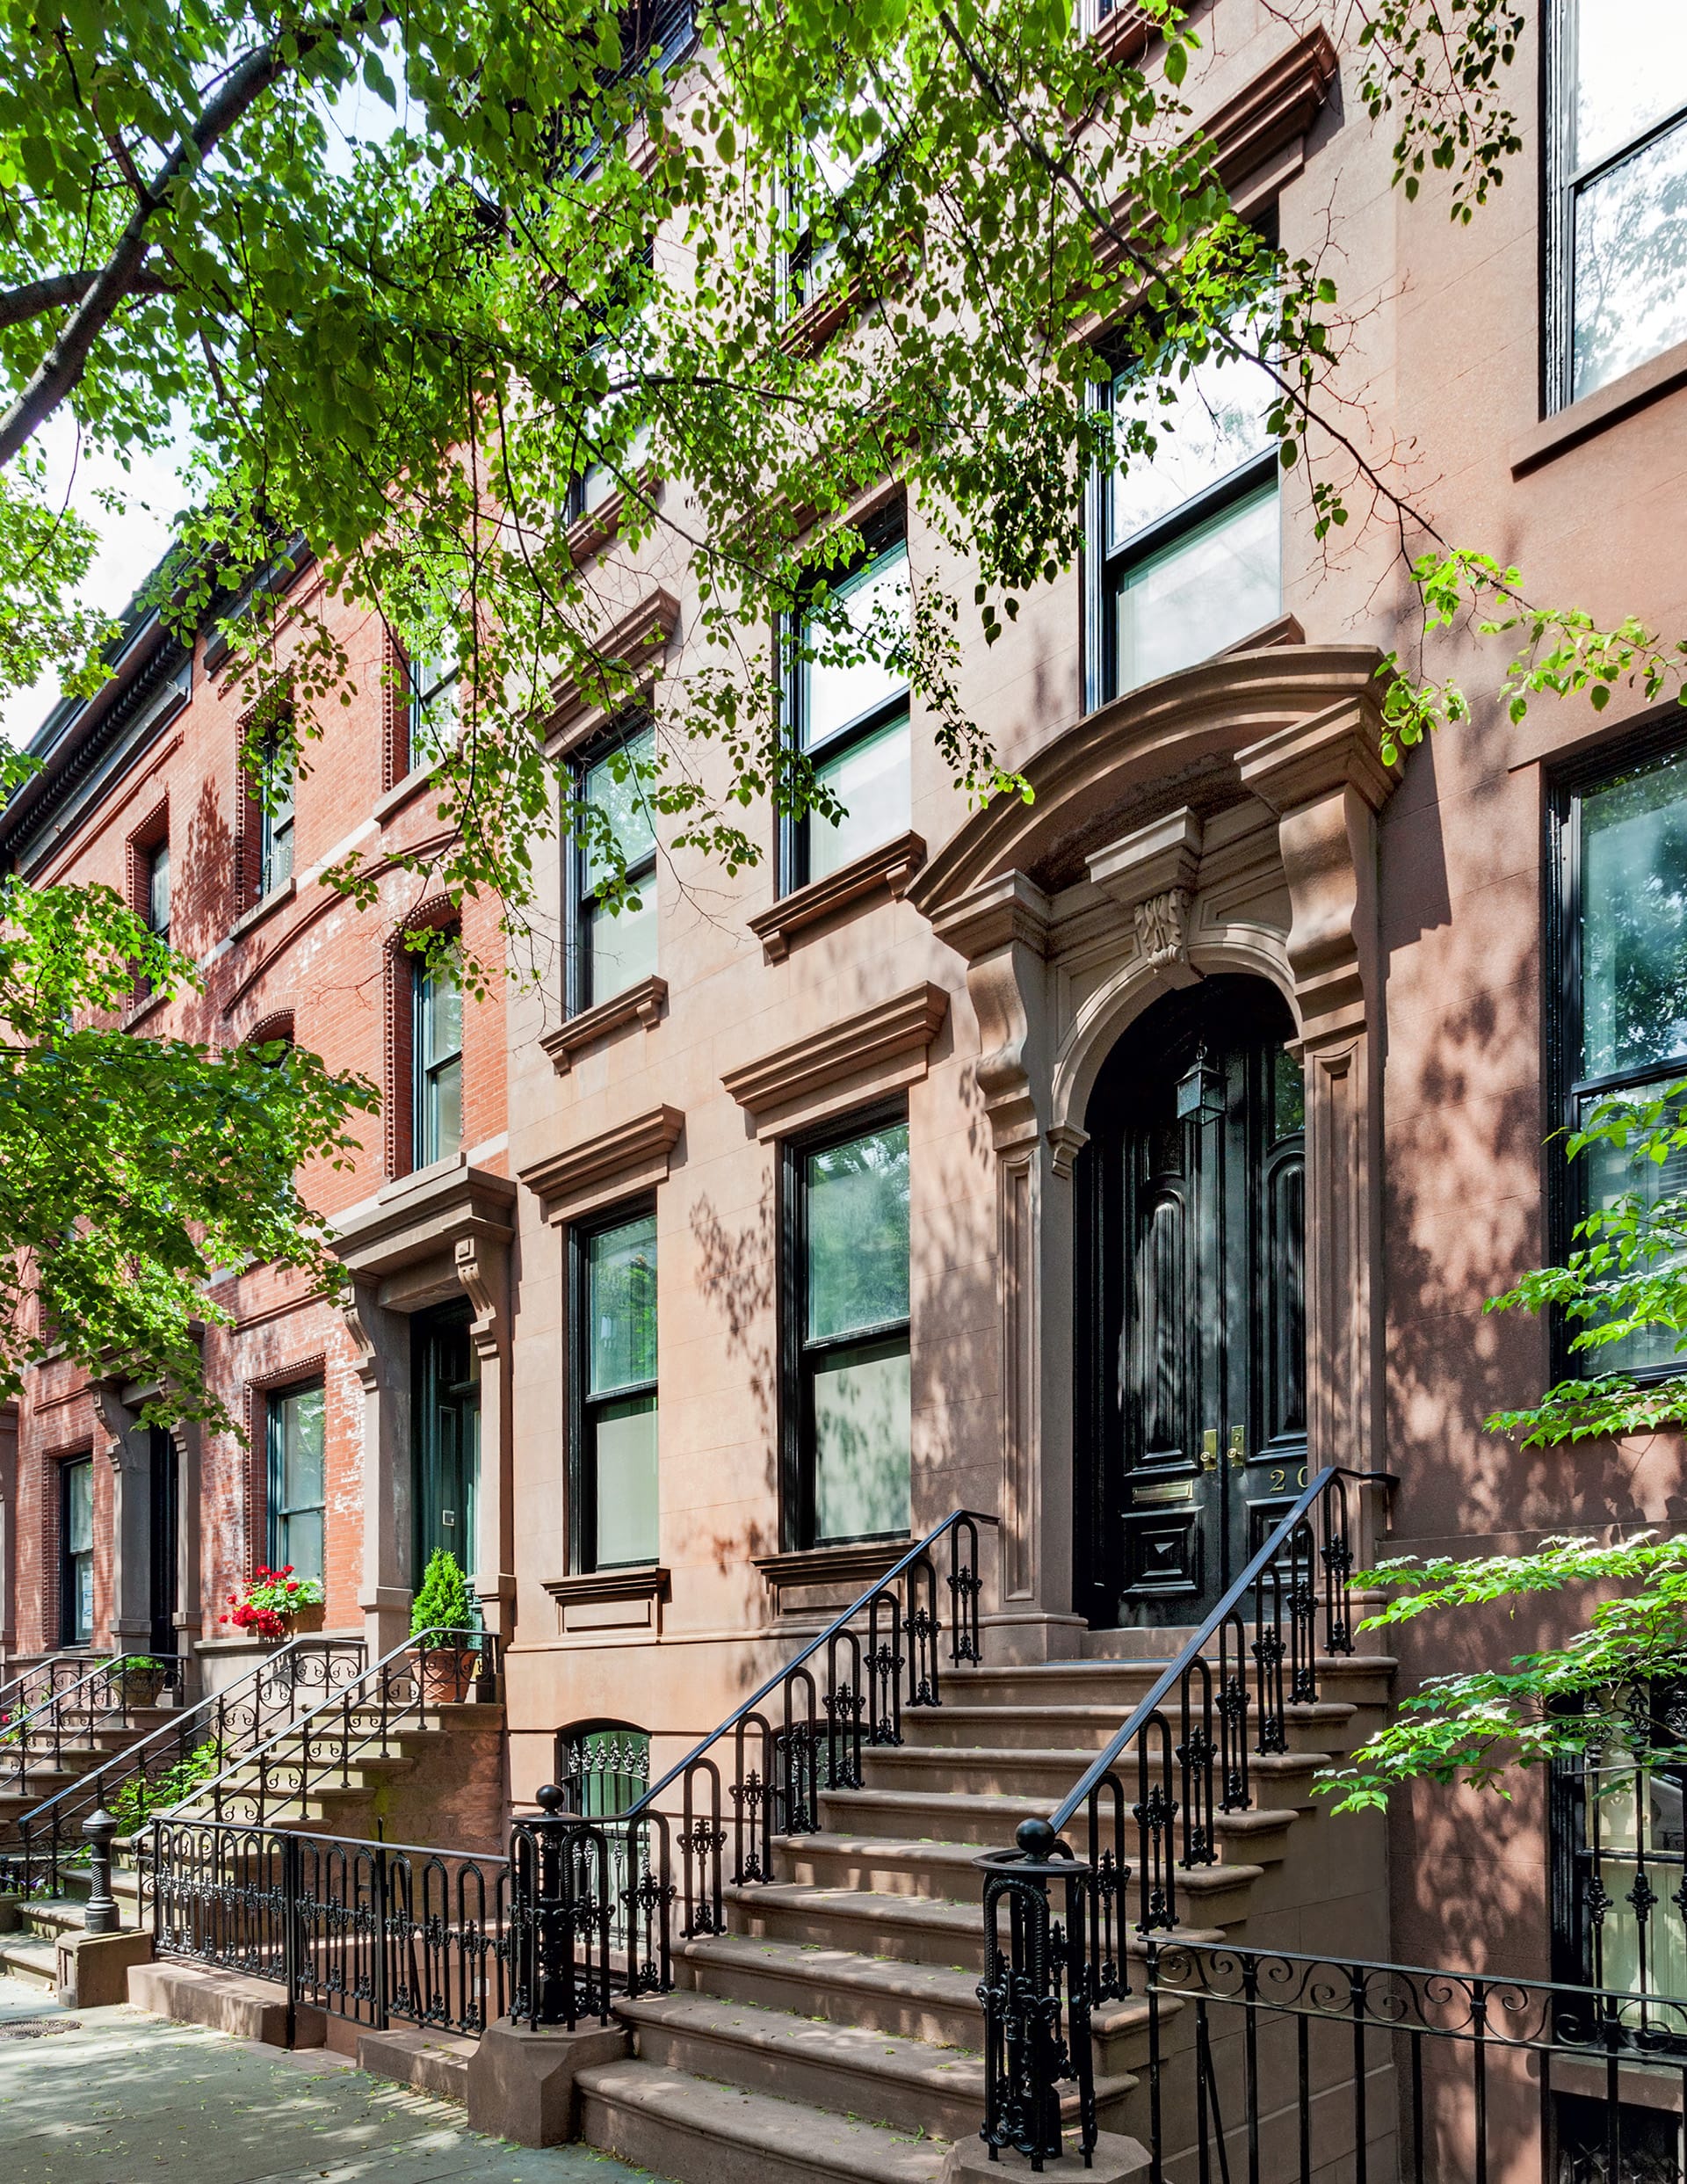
1190	1340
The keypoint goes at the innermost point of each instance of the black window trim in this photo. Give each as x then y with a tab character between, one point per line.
275	822
1560	187
583	1503
581	904
880	535
273	1513
1653	741
423	1070
68	1635
797	1516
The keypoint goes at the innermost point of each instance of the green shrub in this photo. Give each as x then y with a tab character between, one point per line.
444	1602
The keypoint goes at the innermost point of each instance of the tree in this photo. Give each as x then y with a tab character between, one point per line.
131	1170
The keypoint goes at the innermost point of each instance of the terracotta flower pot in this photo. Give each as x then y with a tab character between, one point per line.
444	1675
141	1687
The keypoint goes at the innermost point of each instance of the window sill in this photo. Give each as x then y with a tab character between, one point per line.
613	1601
1635	390
403	792
632	646
1122	36
806	1580
641	1004
142	1009
589	533
866	1057
892	866
808	333
267	908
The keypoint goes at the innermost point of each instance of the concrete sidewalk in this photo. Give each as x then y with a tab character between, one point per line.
111	2096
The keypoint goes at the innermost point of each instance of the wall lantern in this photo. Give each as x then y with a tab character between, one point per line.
1200	1089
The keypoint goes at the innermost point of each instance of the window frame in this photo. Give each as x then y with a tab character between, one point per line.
70	1633
1564	1187
1561	186
798	1358
276	1516
582	1406
581	907
572	1736
879	536
417	752
276	822
426	1068
153	854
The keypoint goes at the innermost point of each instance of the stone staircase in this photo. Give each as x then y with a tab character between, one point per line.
835	2031
88	1737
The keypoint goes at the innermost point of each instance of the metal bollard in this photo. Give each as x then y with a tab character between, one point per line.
100	1914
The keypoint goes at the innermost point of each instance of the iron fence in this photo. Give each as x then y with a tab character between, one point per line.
367	1931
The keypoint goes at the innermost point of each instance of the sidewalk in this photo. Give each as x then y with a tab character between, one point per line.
111	2096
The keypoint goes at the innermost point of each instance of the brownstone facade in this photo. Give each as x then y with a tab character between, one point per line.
965	978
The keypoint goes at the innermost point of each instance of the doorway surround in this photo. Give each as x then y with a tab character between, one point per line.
1222	819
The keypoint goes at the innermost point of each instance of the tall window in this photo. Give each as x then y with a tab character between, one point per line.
157	886
605	1768
848	1403
848	715
435	698
615	948
1617	213
77	1551
276	844
298	1496
614	1500
1189	551
1622	859
620	350
438	1059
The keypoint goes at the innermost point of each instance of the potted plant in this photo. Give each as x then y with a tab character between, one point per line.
137	1679
445	1661
274	1603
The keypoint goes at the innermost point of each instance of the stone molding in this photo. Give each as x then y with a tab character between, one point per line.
878	1050
630	646
1151	874
807	1571
891	866
616	1603
1002	929
633	1156
424	1216
643	1004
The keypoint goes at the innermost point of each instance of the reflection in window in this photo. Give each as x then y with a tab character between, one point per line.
855	1398
157	906
615	1502
615	948
851	717
1626	843
438	1059
435	705
276	846
1620	203
298	1496
1191	548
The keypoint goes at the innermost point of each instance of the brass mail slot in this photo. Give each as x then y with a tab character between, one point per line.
1164	1491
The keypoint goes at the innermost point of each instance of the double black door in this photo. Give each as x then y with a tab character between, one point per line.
163	1534
1190	1397
446	1399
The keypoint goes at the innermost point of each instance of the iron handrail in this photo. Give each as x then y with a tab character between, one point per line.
1229	1606
834	1629
93	1788
49	1662
67	1691
342	1701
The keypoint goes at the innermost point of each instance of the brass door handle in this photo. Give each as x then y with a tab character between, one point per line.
1238	1452
1209	1449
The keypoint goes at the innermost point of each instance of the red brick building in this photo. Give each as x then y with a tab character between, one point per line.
131	1537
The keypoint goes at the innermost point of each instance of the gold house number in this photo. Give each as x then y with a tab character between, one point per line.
1280	1477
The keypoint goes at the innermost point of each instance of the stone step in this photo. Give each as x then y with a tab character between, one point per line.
1320	1726
1357	1678
676	2125
31	1958
1013	1771
990	1820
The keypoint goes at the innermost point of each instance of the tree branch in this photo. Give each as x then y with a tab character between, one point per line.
35	298
63	365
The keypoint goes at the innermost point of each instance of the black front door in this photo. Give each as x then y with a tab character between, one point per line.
165	1518
1191	1339
447	1394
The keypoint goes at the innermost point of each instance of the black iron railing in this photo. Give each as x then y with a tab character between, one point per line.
63	1723
367	1931
54	1672
363	1718
1146	1809
1262	2064
596	1899
164	1767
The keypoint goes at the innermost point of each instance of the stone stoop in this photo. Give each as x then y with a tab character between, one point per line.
835	2031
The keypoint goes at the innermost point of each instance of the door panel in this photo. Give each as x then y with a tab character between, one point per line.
446	1397
164	1523
1190	1344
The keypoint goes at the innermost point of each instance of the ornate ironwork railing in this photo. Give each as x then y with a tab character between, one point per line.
366	1931
53	1672
1182	1758
594	1900
362	1719
1293	2066
162	1767
61	1724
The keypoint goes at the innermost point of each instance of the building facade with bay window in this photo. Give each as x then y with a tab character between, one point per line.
1108	1162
